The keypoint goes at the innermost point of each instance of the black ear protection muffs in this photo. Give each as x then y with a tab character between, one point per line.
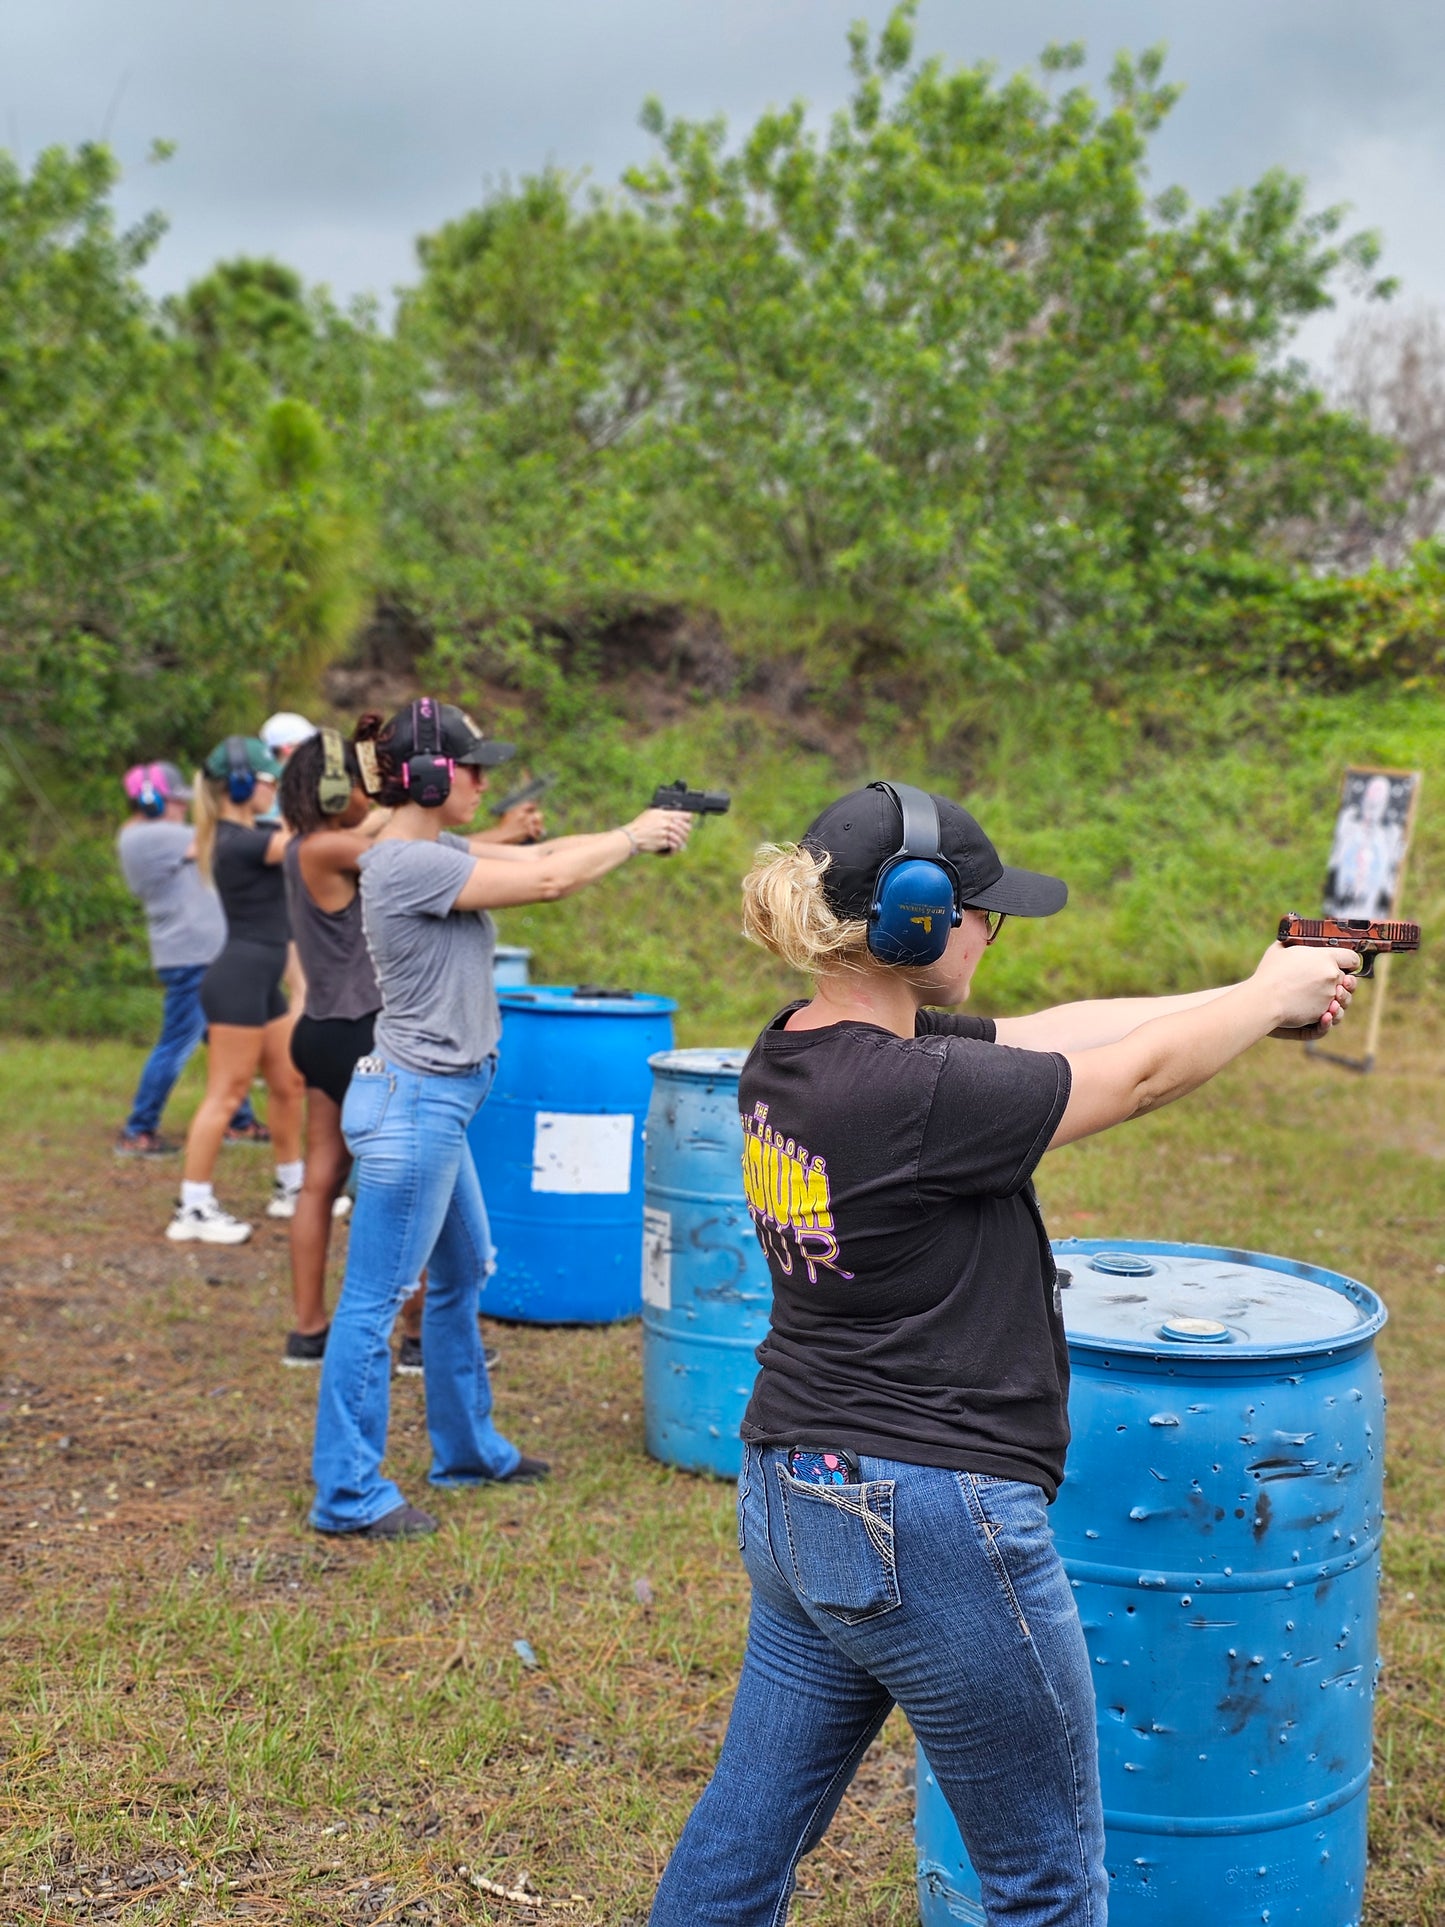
427	773
333	786
915	898
240	777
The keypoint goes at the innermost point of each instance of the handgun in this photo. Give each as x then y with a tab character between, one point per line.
677	796
526	793
1365	937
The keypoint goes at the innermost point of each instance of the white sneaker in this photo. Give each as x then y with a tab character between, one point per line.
208	1223
283	1201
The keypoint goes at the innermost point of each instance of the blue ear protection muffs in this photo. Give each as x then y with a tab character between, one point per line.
427	773
240	777
149	800
915	899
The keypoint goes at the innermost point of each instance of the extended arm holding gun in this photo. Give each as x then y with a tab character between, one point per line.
1366	938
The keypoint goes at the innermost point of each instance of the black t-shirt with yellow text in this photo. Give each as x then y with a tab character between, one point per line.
915	1303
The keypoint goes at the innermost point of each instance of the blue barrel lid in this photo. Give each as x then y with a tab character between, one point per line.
583	1000
708	1061
1207	1301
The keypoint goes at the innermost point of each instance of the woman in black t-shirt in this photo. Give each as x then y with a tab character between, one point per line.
909	1421
249	1026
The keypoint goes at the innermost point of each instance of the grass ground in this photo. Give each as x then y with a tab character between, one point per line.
209	1714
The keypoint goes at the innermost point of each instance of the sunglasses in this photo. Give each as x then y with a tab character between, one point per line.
993	920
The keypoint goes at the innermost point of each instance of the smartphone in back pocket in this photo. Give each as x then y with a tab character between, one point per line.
824	1465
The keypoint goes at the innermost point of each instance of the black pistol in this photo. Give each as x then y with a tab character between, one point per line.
527	793
677	796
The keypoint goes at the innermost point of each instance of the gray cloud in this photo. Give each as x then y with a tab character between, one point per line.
331	132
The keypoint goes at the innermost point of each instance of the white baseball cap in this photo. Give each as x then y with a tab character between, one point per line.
285	730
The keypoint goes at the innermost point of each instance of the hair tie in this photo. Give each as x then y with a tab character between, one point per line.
370	768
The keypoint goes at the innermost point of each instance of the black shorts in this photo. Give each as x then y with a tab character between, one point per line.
243	985
325	1050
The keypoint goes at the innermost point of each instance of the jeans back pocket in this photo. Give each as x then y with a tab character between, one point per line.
840	1542
364	1107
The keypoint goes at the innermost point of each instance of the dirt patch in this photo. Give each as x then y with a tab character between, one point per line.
653	662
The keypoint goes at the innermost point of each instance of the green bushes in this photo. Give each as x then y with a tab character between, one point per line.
1261	618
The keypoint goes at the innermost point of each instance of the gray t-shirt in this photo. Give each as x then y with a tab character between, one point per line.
434	965
186	922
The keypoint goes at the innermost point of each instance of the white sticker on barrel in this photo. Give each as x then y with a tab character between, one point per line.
657	1259
582	1153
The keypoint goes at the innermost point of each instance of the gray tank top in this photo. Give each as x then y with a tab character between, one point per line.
340	981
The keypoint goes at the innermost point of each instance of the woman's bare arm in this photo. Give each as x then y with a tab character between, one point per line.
480	844
523	823
331	863
549	871
1172	1055
1097	1020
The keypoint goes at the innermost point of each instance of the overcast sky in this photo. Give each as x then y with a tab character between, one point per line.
329	133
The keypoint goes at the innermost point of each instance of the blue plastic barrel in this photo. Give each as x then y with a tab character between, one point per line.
513	966
706	1292
558	1147
1220	1521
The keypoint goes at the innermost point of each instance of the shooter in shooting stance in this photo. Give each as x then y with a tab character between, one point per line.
333	822
908	1425
426	897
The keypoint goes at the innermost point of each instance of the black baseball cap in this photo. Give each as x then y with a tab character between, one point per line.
863	829
461	739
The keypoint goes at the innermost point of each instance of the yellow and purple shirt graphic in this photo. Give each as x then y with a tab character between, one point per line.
790	1198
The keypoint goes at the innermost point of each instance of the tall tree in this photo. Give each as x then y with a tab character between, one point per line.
947	359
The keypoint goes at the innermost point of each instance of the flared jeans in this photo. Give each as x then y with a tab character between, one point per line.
418	1204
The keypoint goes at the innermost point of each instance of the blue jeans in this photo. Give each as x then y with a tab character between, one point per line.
183	1025
418	1203
940	1591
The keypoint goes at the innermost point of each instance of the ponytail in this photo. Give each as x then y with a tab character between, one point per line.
786	913
209	792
